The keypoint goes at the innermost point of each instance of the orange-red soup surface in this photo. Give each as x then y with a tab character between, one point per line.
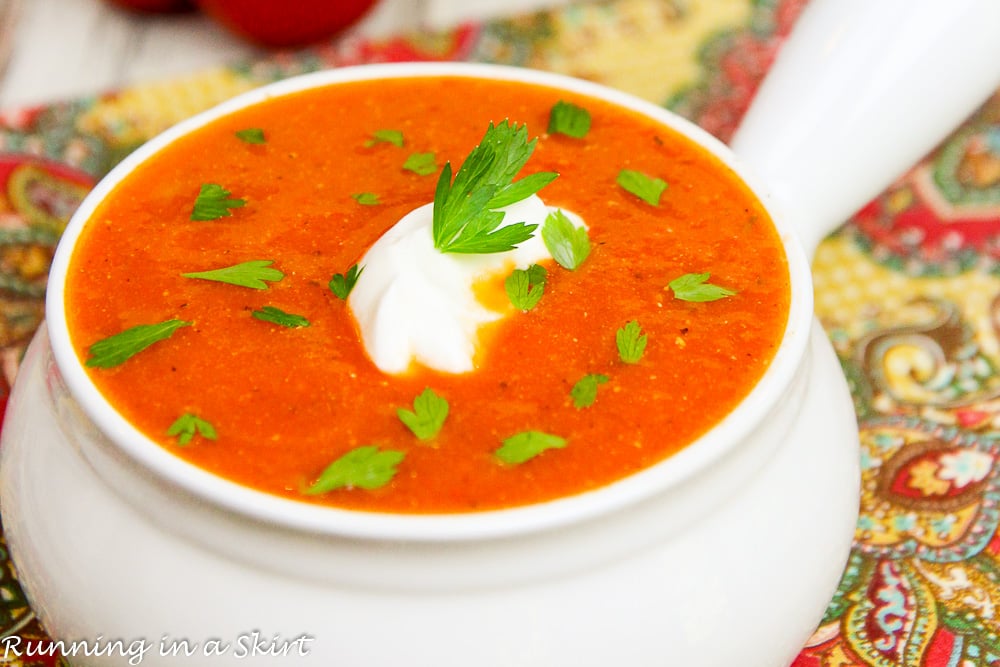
286	402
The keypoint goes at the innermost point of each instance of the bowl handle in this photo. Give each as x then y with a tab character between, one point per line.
859	93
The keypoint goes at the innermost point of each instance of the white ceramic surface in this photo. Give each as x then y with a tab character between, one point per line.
709	452
581	568
702	560
742	582
860	91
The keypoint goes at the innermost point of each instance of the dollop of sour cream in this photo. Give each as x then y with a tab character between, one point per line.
415	304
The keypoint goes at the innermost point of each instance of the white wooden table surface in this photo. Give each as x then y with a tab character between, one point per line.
59	49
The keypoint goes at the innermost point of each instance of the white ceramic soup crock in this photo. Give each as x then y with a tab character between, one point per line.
725	554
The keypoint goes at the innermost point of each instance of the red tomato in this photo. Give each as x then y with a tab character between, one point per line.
154	6
285	23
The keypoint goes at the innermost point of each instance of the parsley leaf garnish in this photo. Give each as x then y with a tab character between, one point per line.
646	188
247	274
364	467
252	135
569	119
214	202
527	445
465	216
525	286
568	244
421	163
120	347
341	284
584	392
428	414
365	198
280	317
695	287
631	342
188	425
394	137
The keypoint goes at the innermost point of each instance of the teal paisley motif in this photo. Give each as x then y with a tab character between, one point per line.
936	362
967	170
893	623
940	219
928	491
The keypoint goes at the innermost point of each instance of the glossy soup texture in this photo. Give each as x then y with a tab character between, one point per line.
283	403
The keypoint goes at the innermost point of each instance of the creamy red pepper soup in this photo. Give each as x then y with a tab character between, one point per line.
270	385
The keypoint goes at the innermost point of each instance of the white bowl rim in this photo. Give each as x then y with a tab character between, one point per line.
248	503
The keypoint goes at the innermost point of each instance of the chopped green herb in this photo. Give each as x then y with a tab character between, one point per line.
646	188
695	287
214	202
247	274
364	467
584	392
120	347
189	425
525	286
527	445
252	135
394	137
569	119
465	216
280	317
341	284
631	342
422	164
366	198
428	414
568	244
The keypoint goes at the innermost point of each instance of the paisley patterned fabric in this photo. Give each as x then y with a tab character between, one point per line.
908	290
